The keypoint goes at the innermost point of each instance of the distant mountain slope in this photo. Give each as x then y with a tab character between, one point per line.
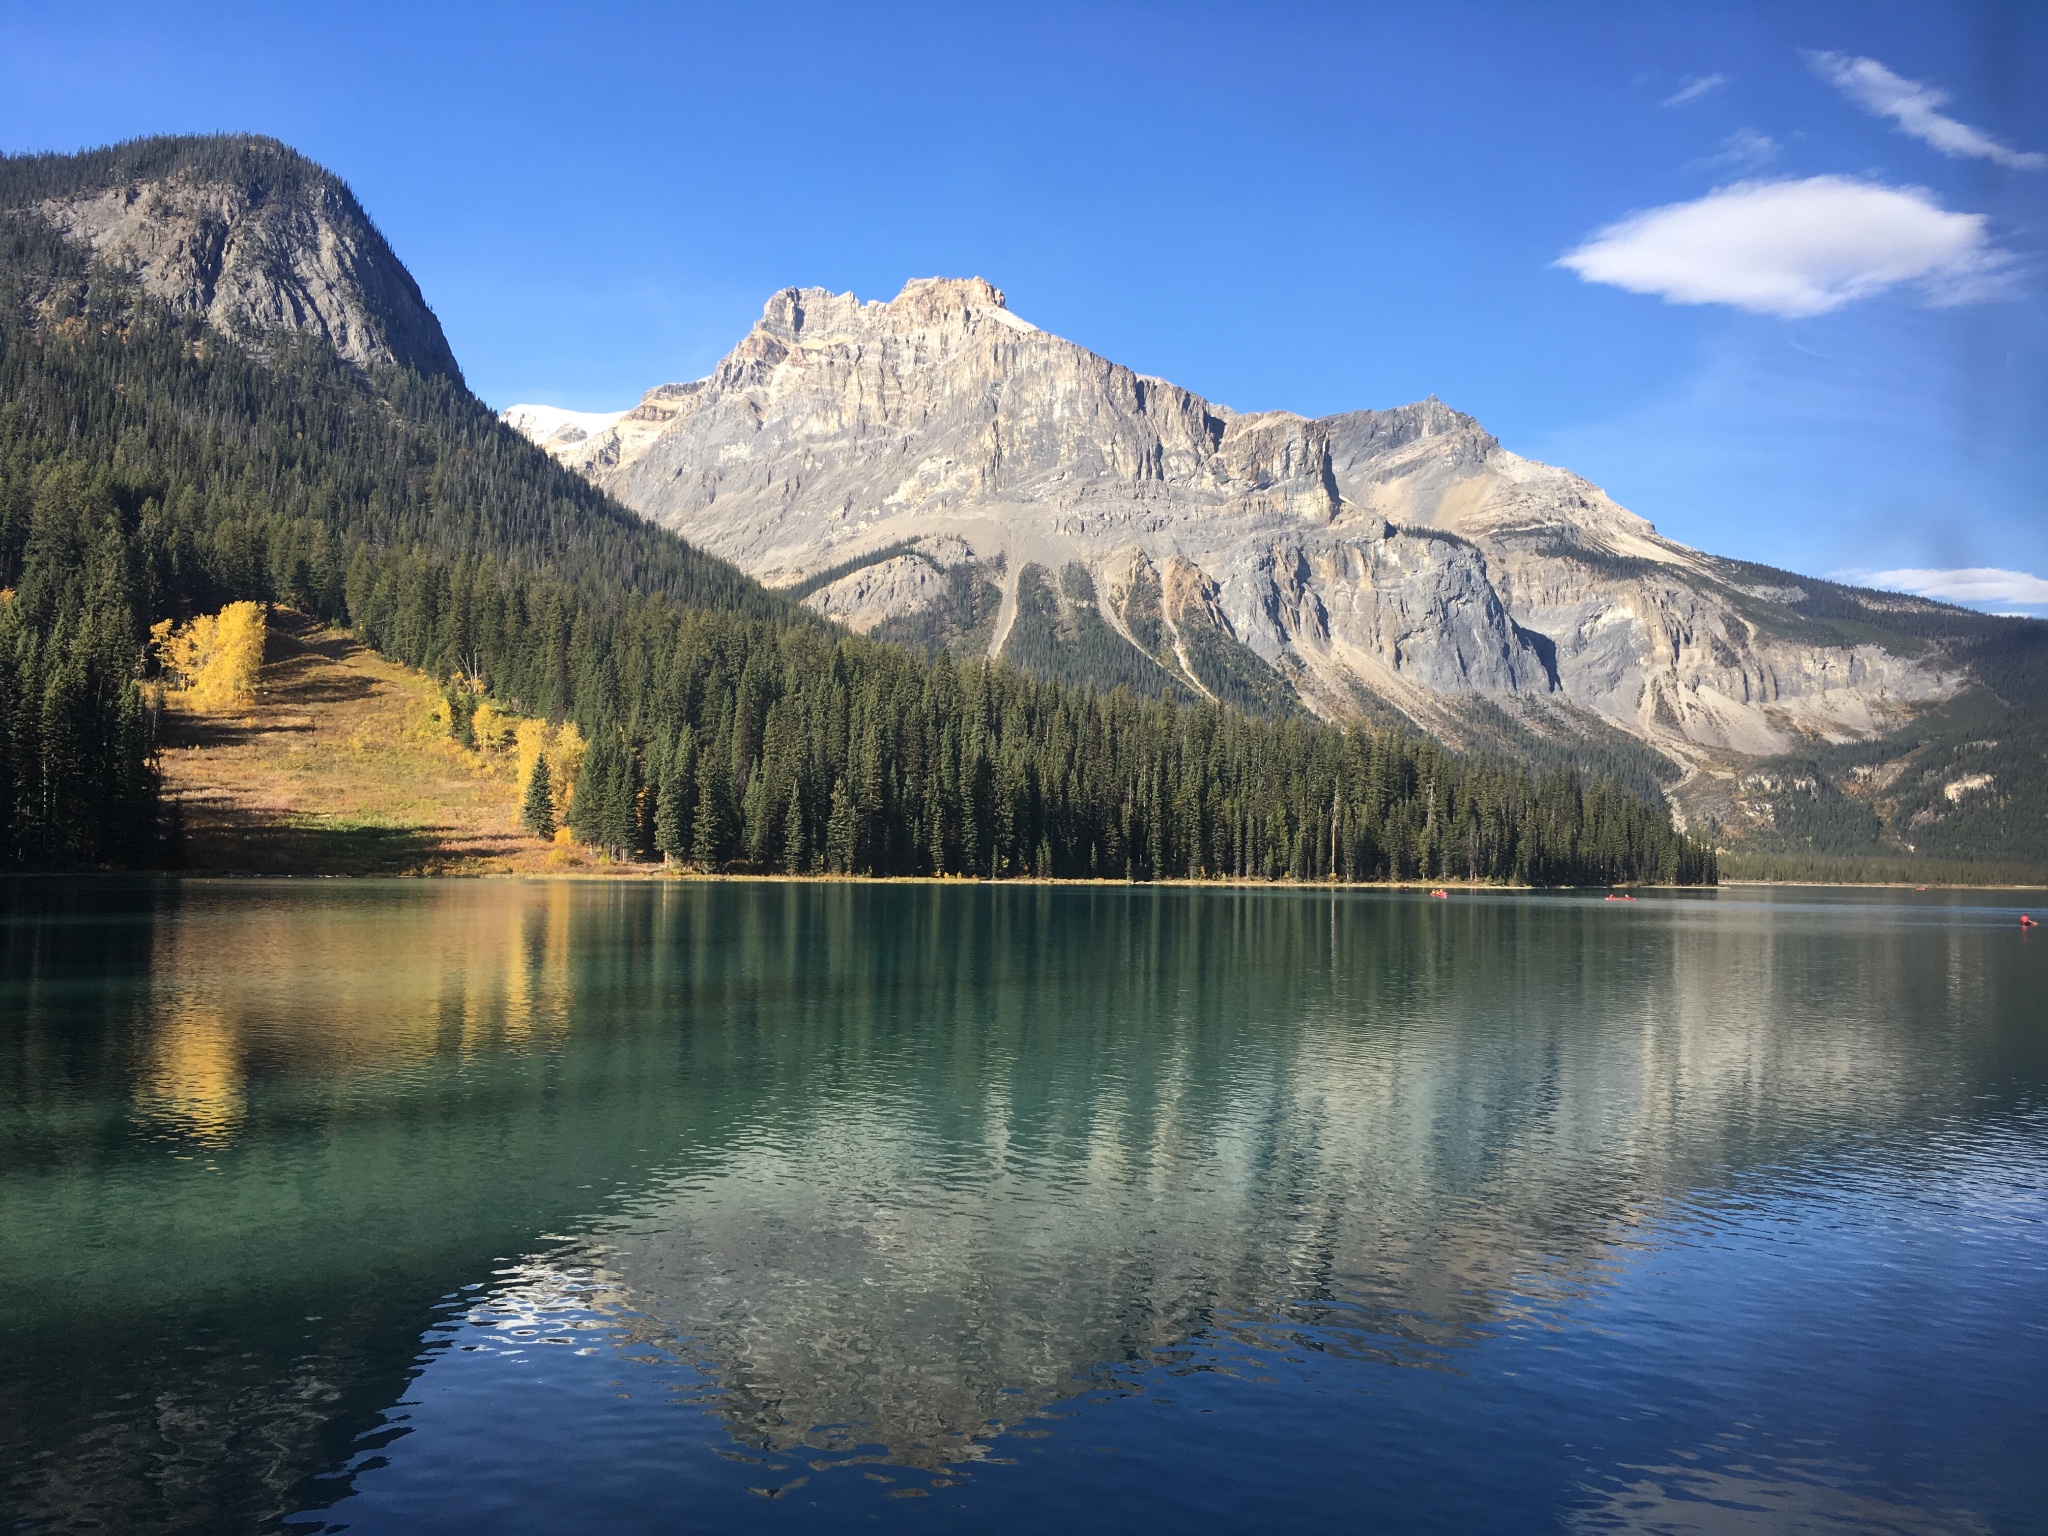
554	428
390	452
1368	560
938	470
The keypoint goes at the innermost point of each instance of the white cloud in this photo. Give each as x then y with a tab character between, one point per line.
1971	584
1743	151
1911	106
1693	87
1795	248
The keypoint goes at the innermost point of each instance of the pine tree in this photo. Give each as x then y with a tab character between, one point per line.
796	850
839	831
587	807
618	829
538	814
669	833
711	834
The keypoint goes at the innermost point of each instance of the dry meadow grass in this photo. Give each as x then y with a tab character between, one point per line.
343	765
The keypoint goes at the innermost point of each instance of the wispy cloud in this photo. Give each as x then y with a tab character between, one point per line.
1796	248
1693	87
1970	584
1742	152
1911	106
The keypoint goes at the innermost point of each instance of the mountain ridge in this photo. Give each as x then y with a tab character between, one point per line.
1399	557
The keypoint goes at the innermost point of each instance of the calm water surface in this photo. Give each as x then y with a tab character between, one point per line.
506	1207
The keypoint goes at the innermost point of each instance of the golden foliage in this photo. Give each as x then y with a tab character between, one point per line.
216	657
563	747
494	729
565	763
531	738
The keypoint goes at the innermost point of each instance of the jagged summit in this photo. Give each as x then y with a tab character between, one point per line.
1367	434
934	468
243	231
933	300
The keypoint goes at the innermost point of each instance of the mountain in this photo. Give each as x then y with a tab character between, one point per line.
217	384
249	273
244	233
937	469
167	446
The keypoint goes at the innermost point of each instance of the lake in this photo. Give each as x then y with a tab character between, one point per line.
697	1207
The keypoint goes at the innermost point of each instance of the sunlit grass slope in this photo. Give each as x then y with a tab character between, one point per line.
342	764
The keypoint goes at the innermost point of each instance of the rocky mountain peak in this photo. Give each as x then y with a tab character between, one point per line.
797	314
942	298
244	232
818	317
1360	437
934	469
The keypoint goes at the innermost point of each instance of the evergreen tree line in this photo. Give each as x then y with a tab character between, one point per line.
732	745
150	468
78	780
725	742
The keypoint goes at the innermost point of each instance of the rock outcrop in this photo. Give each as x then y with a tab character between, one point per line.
254	238
1375	559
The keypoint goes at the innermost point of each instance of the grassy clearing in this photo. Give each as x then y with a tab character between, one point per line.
343	765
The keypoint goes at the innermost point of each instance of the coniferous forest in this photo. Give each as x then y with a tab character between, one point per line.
152	468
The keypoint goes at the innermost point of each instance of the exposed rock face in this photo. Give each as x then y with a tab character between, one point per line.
1361	560
1657	638
258	241
834	416
907	584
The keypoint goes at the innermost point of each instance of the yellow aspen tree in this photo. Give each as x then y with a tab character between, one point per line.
180	648
567	762
492	729
237	662
531	738
215	658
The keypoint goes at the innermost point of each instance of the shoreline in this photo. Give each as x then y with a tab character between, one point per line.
651	873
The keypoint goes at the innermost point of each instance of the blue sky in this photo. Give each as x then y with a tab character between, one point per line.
1803	319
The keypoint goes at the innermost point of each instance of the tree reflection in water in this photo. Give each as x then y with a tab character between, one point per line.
885	1171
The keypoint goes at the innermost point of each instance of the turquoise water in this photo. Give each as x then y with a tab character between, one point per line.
488	1206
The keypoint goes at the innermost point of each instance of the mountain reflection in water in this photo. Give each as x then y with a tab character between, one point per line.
885	1172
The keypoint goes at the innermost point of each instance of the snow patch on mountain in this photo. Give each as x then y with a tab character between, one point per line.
555	429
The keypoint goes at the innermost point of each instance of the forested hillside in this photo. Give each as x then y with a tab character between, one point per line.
152	466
